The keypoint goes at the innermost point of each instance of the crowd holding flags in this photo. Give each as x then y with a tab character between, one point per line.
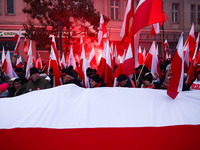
148	12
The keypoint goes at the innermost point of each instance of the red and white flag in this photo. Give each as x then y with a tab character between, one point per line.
140	56
191	42
144	53
38	63
7	66
25	46
177	68
34	61
29	64
155	29
119	70
191	71
92	59
69	117
19	62
102	31
148	61
136	46
108	67
129	67
186	57
17	40
53	43
62	62
71	61
3	56
127	19
155	67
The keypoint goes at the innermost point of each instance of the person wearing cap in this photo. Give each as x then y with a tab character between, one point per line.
36	82
123	81
90	72
70	77
147	81
96	81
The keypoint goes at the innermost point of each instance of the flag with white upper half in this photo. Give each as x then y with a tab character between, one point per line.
127	19
148	61
25	46
7	66
16	39
102	31
3	56
108	67
71	61
38	63
56	72
19	62
29	61
53	44
129	67
62	62
186	57
140	56
92	59
155	29
191	42
74	118
136	46
191	71
177	68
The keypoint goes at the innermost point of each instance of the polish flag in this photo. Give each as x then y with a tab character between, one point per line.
129	68
102	64
136	46
119	70
19	62
83	68
53	43
102	31
56	72
25	46
29	60
62	62
191	71
3	56
140	56
167	51
148	12
17	40
155	29
148	61
108	67
177	68
92	59
71	61
115	59
69	117
127	19
186	57
191	42
38	63
7	66
144	53
34	61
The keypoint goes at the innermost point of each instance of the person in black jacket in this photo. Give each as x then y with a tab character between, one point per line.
96	81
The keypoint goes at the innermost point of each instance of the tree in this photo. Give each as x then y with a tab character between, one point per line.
76	17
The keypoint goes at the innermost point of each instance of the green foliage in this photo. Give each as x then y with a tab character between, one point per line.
78	17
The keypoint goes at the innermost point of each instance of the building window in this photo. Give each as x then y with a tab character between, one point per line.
175	13
192	17
114	9
198	14
10	7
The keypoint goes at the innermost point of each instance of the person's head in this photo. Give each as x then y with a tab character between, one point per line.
148	78
17	83
34	74
67	75
90	72
122	80
95	80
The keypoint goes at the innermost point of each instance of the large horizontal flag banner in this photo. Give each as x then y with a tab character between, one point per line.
74	118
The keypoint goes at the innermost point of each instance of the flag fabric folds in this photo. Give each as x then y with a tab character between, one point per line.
177	68
70	117
17	40
102	31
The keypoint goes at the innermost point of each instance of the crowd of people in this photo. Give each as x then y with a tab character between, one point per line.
143	78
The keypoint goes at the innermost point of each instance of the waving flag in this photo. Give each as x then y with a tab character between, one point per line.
3	56
25	46
17	40
148	61
19	62
155	29
102	31
140	56
71	60
62	62
38	63
73	118
177	68
29	60
92	59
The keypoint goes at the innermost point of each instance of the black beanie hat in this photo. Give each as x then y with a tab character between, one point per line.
33	70
96	78
122	77
89	71
148	76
